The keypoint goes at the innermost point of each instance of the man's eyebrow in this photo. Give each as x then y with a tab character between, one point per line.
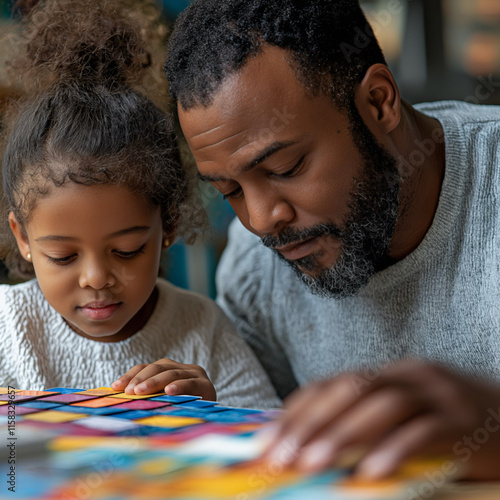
259	158
121	232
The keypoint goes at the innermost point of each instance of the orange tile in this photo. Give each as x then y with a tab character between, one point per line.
100	391
35	393
100	402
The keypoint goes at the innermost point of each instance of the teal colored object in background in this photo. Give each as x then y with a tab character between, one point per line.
172	8
5	8
191	267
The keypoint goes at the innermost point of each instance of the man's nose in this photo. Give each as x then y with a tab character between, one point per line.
267	211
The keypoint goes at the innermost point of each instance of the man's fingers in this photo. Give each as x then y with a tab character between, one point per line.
306	414
368	421
427	433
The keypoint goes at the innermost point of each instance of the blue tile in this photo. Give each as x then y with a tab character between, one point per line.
40	404
107	410
64	390
175	399
133	414
200	403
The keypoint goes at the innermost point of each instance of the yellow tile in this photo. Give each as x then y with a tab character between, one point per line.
6	390
229	483
4	403
99	391
166	421
157	467
55	416
412	470
68	443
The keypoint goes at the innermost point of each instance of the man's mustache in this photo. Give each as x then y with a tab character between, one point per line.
291	235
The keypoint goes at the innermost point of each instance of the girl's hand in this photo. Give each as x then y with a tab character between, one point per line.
169	376
411	408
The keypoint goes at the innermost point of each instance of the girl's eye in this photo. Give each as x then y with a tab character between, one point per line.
293	170
233	194
62	261
130	255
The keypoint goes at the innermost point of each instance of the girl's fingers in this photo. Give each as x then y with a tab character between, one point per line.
149	380
154	377
124	380
141	373
193	386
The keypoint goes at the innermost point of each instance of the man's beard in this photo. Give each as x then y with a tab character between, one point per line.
367	231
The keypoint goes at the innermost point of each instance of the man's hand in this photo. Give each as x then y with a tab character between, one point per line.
169	376
406	409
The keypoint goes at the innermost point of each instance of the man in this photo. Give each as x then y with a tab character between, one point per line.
379	291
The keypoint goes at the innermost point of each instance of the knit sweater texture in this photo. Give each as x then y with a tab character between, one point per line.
38	350
440	303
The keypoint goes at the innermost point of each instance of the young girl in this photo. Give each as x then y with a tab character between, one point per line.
93	191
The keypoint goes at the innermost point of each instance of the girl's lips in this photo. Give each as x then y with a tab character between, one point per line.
99	313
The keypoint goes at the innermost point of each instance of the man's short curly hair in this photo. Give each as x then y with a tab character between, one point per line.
330	42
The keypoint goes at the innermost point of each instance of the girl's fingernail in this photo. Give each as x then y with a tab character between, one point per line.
140	388
171	389
129	389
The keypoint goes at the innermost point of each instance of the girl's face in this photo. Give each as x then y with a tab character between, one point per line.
96	253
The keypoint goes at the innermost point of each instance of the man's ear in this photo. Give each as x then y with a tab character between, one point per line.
378	99
20	235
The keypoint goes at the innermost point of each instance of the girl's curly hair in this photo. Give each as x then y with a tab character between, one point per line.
85	118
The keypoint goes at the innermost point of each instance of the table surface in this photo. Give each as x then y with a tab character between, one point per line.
488	491
177	444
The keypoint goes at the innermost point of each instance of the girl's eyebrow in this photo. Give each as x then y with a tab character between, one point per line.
121	232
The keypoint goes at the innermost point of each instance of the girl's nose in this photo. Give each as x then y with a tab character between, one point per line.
96	274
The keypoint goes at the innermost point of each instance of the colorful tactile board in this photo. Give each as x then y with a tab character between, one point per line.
99	443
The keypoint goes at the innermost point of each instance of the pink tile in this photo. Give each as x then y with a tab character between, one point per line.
141	404
20	410
68	398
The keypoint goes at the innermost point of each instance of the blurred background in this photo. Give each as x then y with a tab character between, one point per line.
437	49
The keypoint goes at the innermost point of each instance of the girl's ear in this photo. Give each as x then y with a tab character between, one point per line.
20	235
168	240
